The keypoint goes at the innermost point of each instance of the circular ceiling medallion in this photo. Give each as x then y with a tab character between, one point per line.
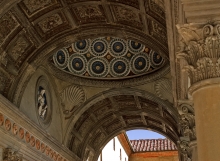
98	67
60	58
77	64
119	67
140	63
99	47
108	58
135	47
118	47
156	59
82	46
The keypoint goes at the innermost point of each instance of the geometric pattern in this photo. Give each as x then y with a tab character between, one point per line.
107	58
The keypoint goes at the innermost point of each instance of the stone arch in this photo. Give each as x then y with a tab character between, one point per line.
107	114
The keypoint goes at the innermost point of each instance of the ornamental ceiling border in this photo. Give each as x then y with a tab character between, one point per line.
93	31
66	40
70	37
107	58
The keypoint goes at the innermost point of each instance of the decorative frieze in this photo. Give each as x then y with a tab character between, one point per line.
201	49
23	135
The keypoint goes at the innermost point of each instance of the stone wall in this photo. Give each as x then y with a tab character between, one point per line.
22	138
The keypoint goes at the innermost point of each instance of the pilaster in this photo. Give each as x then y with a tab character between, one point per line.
187	143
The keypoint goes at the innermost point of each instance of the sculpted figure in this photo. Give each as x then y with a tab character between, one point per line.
42	103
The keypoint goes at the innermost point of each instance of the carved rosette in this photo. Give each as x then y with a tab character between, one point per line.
201	49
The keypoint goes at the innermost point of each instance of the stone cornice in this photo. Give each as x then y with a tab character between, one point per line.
15	124
200	48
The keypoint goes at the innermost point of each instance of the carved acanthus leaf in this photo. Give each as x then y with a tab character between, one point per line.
201	51
187	120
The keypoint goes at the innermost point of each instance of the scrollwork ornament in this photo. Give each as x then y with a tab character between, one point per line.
207	30
185	152
187	120
11	155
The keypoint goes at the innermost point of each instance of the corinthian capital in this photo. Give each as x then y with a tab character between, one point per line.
201	49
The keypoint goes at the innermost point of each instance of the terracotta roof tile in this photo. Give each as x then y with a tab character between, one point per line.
152	145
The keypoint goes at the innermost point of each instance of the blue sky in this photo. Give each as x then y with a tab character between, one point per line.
143	134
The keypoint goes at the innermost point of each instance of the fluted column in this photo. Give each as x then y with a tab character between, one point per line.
201	49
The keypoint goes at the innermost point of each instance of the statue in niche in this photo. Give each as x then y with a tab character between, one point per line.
42	103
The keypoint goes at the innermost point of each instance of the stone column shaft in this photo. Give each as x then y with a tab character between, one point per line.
207	109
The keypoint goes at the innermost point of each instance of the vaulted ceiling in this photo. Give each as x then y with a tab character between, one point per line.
95	43
32	31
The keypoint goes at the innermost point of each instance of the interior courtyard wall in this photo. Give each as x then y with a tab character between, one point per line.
22	139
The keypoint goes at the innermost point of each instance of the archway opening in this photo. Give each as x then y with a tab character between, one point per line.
141	145
114	112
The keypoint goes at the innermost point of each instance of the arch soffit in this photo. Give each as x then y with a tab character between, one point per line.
119	114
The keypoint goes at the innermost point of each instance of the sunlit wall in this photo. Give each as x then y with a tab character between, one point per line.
113	151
